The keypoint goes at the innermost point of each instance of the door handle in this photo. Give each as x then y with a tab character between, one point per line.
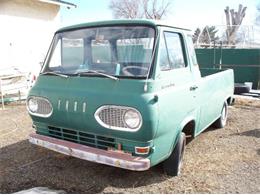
193	88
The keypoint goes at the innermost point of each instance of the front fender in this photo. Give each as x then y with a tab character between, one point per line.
188	119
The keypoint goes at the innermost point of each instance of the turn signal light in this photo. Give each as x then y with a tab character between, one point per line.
142	150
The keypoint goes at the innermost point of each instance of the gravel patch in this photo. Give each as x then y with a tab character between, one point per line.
217	161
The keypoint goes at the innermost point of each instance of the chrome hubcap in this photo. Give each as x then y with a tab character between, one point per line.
224	114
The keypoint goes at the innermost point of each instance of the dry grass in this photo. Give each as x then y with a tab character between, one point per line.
218	161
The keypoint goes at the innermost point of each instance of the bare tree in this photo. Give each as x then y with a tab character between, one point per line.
195	36
150	9
233	22
153	10
125	8
205	37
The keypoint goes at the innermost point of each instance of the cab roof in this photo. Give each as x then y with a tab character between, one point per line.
153	23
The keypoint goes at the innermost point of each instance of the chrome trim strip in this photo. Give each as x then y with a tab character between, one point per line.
96	115
84	107
59	105
67	105
75	106
36	114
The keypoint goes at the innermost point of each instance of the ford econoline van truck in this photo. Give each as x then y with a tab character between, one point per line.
126	93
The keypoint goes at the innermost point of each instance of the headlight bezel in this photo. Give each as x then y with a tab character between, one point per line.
119	128
29	105
134	111
37	99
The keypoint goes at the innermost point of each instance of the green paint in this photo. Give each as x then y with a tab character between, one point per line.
168	104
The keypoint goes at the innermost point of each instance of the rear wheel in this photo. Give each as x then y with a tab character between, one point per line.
172	166
222	120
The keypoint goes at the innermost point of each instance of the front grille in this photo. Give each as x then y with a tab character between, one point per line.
41	106
83	138
112	116
44	107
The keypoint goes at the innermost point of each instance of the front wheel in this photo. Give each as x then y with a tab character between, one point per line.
172	166
222	120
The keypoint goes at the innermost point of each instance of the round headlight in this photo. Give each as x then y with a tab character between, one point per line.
33	105
132	119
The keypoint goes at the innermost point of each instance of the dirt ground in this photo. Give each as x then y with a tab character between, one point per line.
217	161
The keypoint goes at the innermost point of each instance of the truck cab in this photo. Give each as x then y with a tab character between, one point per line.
125	93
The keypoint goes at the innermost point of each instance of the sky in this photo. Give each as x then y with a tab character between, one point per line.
183	13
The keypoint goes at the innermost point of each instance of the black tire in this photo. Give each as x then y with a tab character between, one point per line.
241	88
172	166
222	120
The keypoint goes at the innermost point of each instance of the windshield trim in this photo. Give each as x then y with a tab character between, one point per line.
47	54
152	62
107	25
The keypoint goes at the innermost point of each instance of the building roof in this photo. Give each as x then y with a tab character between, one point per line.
121	22
60	2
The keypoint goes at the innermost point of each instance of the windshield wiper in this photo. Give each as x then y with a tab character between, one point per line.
55	73
96	72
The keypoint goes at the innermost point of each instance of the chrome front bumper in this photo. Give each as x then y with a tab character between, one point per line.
111	158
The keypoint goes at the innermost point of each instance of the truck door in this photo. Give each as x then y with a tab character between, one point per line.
176	99
195	85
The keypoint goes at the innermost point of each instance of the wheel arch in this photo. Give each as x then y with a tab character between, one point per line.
229	100
188	126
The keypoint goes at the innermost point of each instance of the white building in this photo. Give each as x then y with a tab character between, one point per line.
26	30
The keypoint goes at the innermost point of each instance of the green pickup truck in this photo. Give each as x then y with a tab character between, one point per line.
126	93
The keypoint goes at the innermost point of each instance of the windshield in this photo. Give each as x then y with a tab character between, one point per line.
121	51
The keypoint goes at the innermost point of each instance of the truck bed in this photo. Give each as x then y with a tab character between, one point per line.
209	71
